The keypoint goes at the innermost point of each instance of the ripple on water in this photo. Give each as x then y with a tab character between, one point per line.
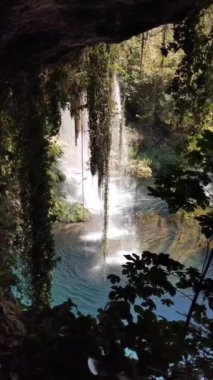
81	273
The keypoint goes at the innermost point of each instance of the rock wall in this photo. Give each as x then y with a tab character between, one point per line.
43	31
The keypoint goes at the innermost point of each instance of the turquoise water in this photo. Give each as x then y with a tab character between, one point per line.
81	272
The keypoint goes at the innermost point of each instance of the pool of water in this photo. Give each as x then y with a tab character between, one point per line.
81	273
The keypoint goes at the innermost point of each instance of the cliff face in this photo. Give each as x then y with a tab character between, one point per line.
42	31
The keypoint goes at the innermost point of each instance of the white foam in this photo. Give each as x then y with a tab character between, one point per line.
114	233
117	258
97	268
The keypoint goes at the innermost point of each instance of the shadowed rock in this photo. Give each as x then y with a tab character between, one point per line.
40	32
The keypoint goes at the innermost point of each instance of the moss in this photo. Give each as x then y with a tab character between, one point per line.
188	217
70	212
173	234
140	169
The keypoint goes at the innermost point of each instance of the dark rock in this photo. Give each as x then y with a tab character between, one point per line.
40	32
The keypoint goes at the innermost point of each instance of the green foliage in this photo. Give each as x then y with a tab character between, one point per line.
30	116
34	162
11	236
140	168
157	157
146	76
168	90
100	105
58	341
201	155
100	80
53	344
70	212
206	222
184	187
192	83
156	341
149	108
78	78
62	210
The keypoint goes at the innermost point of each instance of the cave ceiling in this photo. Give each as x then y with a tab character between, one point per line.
45	31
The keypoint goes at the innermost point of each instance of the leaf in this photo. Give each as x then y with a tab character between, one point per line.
149	303
129	257
167	301
114	279
138	309
130	293
112	295
123	308
183	283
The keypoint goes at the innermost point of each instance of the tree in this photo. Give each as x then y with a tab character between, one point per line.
57	342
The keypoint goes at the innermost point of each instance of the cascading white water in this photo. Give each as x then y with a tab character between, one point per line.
79	274
82	187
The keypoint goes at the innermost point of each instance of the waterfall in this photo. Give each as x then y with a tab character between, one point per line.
79	185
79	273
73	164
119	146
84	188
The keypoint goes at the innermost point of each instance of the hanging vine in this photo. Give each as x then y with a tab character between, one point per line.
37	118
77	89
34	106
143	40
100	104
10	211
163	47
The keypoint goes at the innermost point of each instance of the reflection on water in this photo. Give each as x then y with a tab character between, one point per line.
137	222
81	273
